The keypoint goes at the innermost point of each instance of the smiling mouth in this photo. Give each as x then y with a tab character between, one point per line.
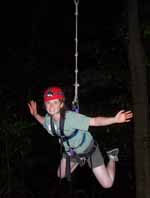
53	112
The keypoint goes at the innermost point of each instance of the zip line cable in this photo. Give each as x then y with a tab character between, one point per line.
75	103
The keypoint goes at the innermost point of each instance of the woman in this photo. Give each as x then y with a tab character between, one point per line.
72	130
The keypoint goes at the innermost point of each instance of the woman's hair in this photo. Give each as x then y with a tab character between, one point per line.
63	109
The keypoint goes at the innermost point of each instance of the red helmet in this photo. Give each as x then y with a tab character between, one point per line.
53	93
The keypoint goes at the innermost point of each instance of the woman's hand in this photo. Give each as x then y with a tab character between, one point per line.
33	108
123	116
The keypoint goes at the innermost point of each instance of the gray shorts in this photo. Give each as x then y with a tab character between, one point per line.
95	160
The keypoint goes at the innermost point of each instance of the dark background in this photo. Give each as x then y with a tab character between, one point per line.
37	51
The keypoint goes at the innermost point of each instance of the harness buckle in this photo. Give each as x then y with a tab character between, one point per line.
71	152
82	161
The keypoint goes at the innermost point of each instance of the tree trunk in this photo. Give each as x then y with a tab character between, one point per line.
140	103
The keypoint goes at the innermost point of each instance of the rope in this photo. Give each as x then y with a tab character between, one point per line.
75	103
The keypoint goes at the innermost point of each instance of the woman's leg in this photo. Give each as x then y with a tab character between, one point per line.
61	172
105	175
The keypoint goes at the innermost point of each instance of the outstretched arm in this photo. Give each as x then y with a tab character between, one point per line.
121	117
33	110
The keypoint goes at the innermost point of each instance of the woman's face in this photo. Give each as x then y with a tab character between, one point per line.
53	106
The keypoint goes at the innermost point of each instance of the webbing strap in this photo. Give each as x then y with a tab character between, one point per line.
52	127
62	136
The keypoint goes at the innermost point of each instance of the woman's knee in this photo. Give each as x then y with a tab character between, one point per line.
61	174
61	171
106	184
103	176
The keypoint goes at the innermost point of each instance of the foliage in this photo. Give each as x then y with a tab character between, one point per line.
15	148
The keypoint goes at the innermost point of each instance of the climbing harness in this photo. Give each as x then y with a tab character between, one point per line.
75	102
64	138
80	158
